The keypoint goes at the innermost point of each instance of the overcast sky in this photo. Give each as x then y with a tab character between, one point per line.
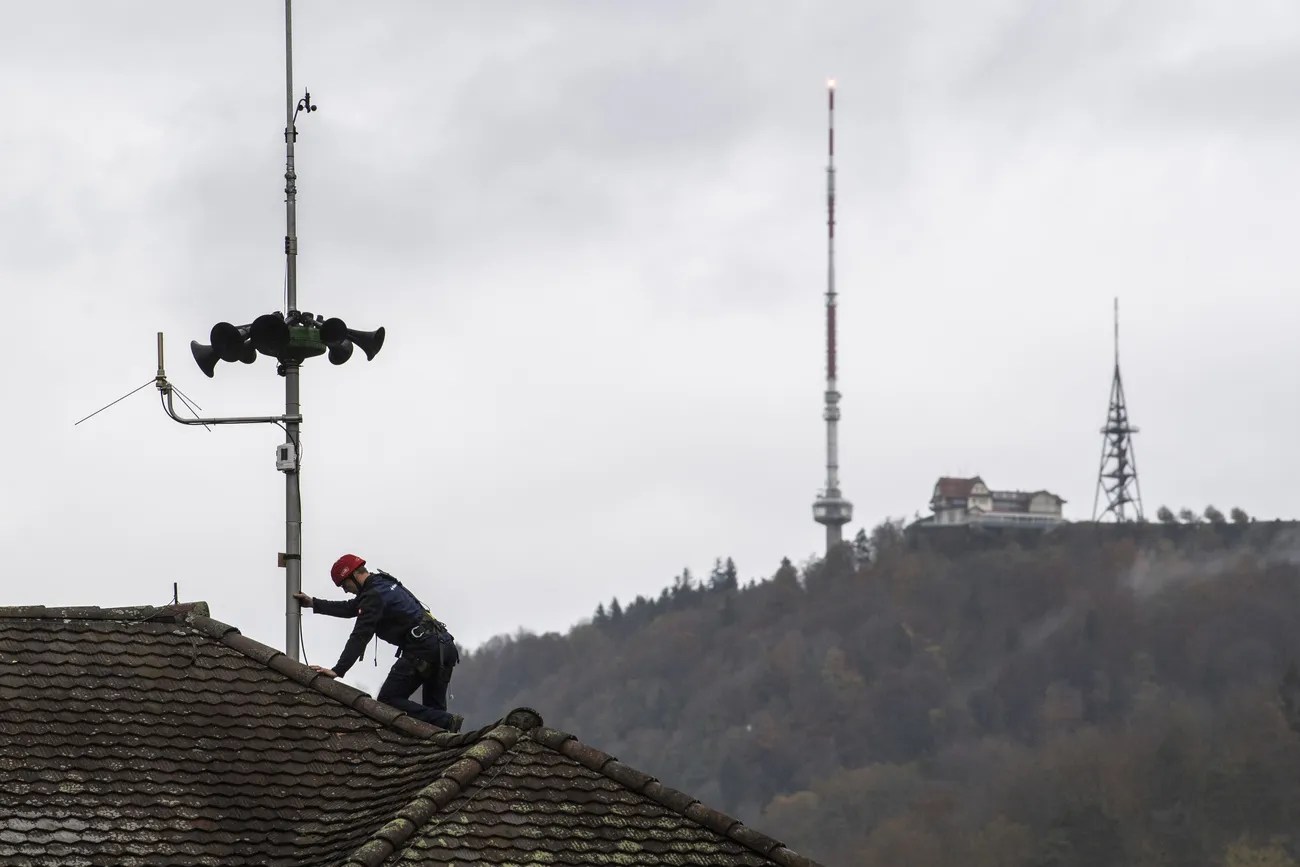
595	234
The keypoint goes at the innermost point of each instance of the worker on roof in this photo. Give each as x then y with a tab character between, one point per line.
426	651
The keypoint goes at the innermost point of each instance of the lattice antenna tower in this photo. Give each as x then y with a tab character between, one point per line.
1118	476
830	508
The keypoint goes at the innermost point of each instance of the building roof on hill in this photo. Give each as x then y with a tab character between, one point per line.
160	735
949	487
953	487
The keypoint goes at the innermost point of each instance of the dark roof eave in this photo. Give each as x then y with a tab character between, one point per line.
679	802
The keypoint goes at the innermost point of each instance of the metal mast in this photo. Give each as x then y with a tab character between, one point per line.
292	488
1117	475
290	337
830	508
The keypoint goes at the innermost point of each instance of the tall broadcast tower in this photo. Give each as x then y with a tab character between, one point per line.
1118	475
830	508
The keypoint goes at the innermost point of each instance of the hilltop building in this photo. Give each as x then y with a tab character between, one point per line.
971	501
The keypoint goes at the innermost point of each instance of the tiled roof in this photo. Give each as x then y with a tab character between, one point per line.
161	736
953	487
527	794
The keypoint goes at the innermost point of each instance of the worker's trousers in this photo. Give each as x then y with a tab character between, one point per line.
425	669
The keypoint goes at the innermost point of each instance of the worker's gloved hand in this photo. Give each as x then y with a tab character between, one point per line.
303	599
328	672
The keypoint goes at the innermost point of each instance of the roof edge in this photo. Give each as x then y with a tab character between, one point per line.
679	802
198	616
490	744
350	697
177	613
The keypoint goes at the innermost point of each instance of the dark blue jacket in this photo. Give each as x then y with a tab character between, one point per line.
387	609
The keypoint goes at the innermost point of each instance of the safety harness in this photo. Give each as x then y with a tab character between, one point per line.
425	628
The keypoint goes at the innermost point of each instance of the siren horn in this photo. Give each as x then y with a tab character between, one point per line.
341	351
232	342
206	357
334	332
270	334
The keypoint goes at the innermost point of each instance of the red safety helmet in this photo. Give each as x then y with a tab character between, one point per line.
344	567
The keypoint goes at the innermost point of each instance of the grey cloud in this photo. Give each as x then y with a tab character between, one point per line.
596	236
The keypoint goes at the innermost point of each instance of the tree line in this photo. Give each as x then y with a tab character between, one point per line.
1187	516
1094	698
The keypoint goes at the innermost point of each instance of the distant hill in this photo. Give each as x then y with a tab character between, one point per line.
1096	695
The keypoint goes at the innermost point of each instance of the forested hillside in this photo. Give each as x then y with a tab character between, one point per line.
1106	696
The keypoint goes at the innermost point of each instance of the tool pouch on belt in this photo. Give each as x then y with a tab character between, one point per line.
426	666
425	636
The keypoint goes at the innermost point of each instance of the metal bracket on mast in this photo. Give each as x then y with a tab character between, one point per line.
165	394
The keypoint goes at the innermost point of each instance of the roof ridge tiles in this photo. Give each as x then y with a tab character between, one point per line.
177	613
197	616
679	802
491	743
350	697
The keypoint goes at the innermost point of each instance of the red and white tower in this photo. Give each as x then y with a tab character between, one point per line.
830	508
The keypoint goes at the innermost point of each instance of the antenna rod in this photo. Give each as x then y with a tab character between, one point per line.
292	408
832	394
830	238
1117	331
290	178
